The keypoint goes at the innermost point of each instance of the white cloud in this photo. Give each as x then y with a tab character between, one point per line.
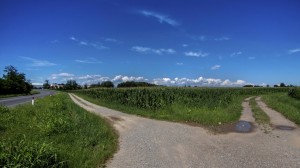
38	63
152	50
120	78
184	45
89	61
63	75
235	54
96	45
160	17
73	38
215	67
294	51
83	43
179	63
223	38
111	40
251	58
209	82
200	81
196	54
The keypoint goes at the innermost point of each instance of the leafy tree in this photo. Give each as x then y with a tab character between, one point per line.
135	84
282	85
248	86
46	84
107	84
72	85
14	82
275	85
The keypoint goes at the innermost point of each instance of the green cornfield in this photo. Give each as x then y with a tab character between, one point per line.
206	106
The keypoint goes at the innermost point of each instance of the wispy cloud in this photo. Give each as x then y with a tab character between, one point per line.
111	40
152	50
160	17
215	67
223	38
96	45
184	45
38	63
251	58
196	54
294	51
179	63
89	61
235	54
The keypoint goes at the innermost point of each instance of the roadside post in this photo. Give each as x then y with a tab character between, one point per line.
32	101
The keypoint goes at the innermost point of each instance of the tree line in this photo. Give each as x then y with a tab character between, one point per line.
14	82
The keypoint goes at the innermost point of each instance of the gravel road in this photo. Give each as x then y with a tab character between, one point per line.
151	143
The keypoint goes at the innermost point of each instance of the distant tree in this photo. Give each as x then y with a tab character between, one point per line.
85	86
275	85
135	84
71	85
46	84
268	85
282	85
14	82
248	86
107	84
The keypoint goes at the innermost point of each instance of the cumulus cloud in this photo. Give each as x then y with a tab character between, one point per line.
215	67
63	75
166	81
38	63
160	17
196	54
153	50
201	81
294	51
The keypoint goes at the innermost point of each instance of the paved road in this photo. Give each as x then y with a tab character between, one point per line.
13	101
151	143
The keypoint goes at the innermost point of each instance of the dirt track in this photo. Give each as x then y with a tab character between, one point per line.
151	143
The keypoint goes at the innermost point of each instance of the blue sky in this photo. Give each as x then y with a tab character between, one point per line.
190	42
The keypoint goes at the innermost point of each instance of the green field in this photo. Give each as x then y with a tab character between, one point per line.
287	105
204	106
54	133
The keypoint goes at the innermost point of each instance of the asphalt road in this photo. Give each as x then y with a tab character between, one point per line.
13	101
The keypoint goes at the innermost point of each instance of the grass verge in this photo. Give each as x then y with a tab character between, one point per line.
260	116
181	112
54	133
288	106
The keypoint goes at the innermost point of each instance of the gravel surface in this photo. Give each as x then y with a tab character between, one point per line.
151	143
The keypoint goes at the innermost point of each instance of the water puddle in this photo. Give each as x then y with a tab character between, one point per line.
239	127
243	126
284	128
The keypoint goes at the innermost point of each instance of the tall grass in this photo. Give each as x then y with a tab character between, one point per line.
54	132
205	106
288	106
